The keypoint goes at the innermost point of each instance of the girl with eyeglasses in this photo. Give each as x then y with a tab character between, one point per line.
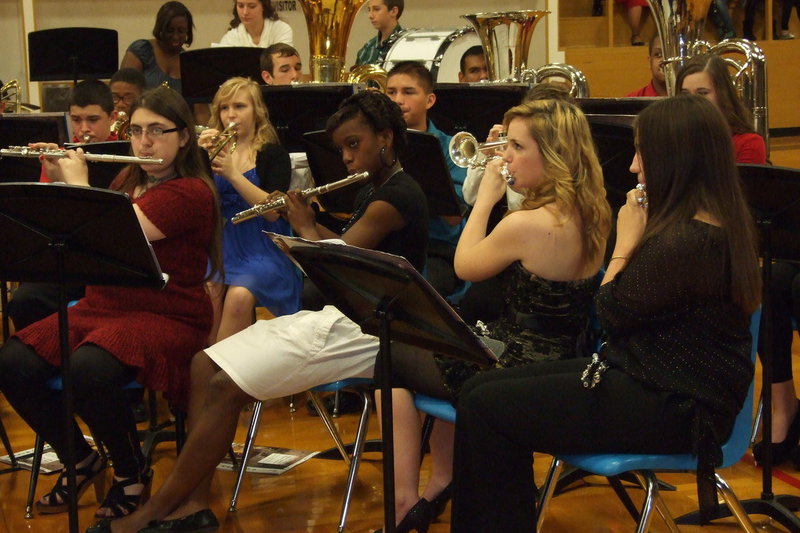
119	334
256	271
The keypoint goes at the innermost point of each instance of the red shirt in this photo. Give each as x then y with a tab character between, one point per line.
43	177
647	90
750	148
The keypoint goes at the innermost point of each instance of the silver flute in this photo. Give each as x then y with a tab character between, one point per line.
27	151
280	203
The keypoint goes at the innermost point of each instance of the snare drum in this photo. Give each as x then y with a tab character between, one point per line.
439	50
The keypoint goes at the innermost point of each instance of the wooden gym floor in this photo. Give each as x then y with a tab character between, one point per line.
308	498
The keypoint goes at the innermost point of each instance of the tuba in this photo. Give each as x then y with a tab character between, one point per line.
329	23
10	93
680	25
579	87
506	39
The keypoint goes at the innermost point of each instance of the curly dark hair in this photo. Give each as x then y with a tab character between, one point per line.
378	111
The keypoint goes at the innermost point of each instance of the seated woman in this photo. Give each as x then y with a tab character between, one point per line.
292	353
255	270
121	334
158	59
675	303
256	24
548	252
707	76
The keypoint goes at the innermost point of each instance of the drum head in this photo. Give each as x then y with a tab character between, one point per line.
439	50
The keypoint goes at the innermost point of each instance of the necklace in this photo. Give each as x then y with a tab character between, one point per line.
362	205
153	181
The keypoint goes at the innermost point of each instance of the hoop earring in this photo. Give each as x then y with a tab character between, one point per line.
383	158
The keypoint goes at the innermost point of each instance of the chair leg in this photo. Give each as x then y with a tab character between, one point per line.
248	446
326	419
546	492
292	405
336	398
38	450
663	510
734	504
650	484
358	449
7	445
756	422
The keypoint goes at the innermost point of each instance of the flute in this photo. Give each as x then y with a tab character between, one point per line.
26	151
260	209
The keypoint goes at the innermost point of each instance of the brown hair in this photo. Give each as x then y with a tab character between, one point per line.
416	70
738	116
687	158
266	7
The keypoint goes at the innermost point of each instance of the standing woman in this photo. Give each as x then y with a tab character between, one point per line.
117	333
158	58
675	303
256	24
707	76
255	269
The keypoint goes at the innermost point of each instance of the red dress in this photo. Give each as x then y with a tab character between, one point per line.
750	148
155	330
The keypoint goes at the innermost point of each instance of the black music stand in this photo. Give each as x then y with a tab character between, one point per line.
68	234
423	160
774	197
473	107
301	107
102	174
21	129
204	70
388	298
63	54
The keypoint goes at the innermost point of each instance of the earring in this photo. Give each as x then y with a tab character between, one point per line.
383	158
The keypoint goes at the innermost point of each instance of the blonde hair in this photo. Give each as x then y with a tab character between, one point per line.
573	176
264	130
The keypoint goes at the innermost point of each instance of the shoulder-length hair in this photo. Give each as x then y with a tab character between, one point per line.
266	6
264	131
573	176
189	163
687	158
166	13
738	116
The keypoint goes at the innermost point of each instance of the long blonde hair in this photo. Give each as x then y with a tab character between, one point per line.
264	130
573	176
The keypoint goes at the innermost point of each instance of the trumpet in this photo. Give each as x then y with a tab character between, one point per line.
26	151
280	203
467	152
228	135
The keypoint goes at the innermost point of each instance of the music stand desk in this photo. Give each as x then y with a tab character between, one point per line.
204	70
388	298
72	235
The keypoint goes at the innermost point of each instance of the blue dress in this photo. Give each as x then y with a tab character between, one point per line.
250	259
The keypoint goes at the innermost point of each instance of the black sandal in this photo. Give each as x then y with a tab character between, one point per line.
57	500
121	504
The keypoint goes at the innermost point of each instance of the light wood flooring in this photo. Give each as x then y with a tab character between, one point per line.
308	498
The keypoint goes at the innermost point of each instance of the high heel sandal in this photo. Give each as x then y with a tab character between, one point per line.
58	497
781	451
439	503
121	504
418	518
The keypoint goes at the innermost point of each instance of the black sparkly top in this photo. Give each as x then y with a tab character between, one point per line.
671	324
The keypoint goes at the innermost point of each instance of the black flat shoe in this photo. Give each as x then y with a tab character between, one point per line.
418	518
103	526
202	521
781	451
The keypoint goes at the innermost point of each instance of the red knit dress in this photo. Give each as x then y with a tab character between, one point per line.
155	330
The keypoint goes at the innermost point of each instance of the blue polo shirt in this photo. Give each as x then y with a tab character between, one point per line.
440	230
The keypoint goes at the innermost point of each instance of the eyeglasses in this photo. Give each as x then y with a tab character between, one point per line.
128	98
154	133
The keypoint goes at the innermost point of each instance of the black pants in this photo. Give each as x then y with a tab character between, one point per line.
32	302
784	305
504	416
100	401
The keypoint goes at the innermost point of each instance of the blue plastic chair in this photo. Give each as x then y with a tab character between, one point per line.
643	465
360	385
